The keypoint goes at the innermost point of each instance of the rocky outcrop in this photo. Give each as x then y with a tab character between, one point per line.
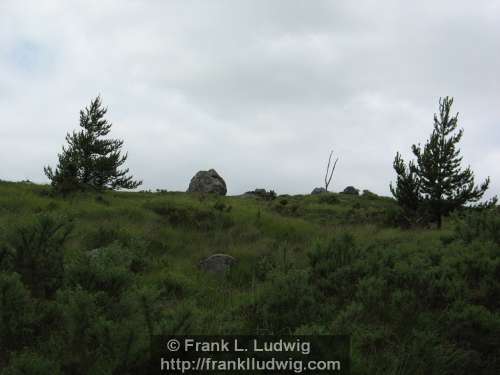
217	263
369	194
207	182
261	193
318	190
351	190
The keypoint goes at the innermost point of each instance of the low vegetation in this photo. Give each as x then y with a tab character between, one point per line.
86	280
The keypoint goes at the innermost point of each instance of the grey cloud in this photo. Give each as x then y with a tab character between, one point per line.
259	90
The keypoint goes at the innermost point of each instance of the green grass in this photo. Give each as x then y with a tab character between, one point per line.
410	299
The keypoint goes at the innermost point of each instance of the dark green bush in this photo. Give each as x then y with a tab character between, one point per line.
95	338
334	272
285	302
105	234
170	287
7	257
16	312
289	209
476	329
106	269
194	218
479	225
222	207
27	362
264	266
38	253
328	198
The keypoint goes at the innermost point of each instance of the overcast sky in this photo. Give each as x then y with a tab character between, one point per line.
258	90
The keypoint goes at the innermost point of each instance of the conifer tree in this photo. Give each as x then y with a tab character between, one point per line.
90	160
407	189
436	183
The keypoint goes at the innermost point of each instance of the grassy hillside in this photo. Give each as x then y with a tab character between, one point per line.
86	280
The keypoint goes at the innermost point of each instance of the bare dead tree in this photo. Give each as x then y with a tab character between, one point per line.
329	173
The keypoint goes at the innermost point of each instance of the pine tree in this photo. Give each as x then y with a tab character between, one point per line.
436	183
90	160
407	189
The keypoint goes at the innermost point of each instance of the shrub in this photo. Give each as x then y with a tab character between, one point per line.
104	235
264	266
28	362
222	207
479	224
328	198
91	339
289	209
194	218
172	286
285	303
15	312
38	258
106	269
332	271
476	329
7	257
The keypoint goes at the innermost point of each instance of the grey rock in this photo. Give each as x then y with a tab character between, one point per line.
207	182
261	193
369	194
318	190
351	190
95	253
217	263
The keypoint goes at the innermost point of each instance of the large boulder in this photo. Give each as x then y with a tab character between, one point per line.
351	190
318	190
217	263
207	182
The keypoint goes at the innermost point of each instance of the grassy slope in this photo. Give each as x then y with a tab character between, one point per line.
182	229
179	229
175	230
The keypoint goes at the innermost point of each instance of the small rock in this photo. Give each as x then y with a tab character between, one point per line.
351	190
318	190
217	263
369	194
95	253
207	182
